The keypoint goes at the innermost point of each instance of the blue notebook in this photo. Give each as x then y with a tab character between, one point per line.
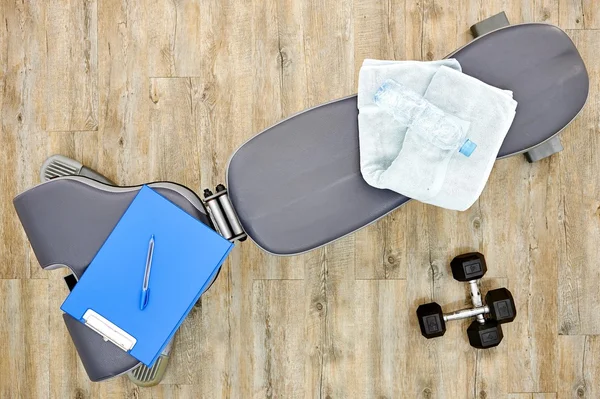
187	255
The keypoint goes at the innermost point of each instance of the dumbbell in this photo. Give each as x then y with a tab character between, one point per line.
484	332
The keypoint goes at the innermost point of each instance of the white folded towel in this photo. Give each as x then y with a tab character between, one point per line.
428	131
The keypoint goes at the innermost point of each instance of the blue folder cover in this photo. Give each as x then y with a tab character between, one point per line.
187	255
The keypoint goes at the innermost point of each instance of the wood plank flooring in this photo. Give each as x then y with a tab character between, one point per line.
150	90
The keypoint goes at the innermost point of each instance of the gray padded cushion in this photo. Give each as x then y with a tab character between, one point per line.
544	71
67	220
297	185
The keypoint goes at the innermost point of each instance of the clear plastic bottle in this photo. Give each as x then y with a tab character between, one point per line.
423	118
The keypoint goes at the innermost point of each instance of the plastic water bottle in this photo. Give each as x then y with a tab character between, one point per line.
432	124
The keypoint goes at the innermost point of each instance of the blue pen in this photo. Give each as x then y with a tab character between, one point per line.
145	290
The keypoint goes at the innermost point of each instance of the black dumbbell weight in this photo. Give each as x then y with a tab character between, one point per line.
502	305
485	335
468	267
499	308
431	320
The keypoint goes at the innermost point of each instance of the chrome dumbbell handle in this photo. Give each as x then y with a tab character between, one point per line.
476	300
478	310
466	313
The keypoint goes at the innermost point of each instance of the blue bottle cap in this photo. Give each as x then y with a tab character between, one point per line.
467	148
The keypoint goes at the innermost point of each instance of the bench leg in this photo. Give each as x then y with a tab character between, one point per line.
490	24
544	150
144	376
59	166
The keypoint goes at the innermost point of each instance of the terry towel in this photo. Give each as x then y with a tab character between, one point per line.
428	131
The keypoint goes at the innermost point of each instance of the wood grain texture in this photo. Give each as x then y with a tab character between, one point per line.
23	321
154	90
278	338
329	50
538	11
330	336
174	142
123	91
545	395
578	277
22	140
174	48
528	255
381	319
583	14
71	65
579	369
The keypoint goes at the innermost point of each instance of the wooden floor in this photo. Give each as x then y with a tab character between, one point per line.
149	90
